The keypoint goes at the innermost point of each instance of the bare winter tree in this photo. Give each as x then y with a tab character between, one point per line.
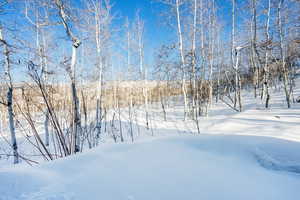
40	20
139	30
193	52
284	66
10	88
180	41
267	54
233	43
72	72
176	6
101	11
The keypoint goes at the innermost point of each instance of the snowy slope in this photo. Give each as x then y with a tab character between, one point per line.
184	167
251	155
278	121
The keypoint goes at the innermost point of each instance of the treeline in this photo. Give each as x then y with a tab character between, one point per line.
263	50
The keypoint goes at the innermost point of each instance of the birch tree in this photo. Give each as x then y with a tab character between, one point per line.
193	95
101	11
72	72
212	52
181	51
39	22
9	99
203	57
267	54
282	53
139	30
233	52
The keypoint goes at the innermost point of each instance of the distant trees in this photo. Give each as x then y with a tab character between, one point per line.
259	55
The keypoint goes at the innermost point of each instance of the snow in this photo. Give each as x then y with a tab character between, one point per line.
182	167
252	155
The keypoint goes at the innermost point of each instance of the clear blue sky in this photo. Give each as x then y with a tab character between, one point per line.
156	32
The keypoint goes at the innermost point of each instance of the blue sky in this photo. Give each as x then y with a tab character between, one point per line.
151	10
156	32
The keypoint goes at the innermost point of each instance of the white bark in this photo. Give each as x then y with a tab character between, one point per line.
203	60
238	79
233	53
10	98
98	32
41	53
143	70
283	56
180	38
75	44
266	67
194	60
212	41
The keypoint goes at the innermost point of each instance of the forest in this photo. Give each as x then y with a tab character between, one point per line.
97	68
74	73
149	99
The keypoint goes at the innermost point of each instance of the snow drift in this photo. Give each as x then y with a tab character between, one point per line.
210	167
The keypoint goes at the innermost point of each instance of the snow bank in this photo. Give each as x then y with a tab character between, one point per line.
210	167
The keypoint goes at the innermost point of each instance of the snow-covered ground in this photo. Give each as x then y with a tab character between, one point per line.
251	155
183	167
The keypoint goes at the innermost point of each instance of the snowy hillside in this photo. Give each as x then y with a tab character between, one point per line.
186	167
230	159
149	100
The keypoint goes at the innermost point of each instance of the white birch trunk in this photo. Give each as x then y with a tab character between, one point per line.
212	40
266	67
143	71
10	99
181	56
75	44
282	53
100	68
202	57
194	60
76	113
233	53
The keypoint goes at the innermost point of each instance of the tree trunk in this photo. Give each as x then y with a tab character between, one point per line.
266	68
283	59
76	113
10	98
193	94
233	53
183	87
